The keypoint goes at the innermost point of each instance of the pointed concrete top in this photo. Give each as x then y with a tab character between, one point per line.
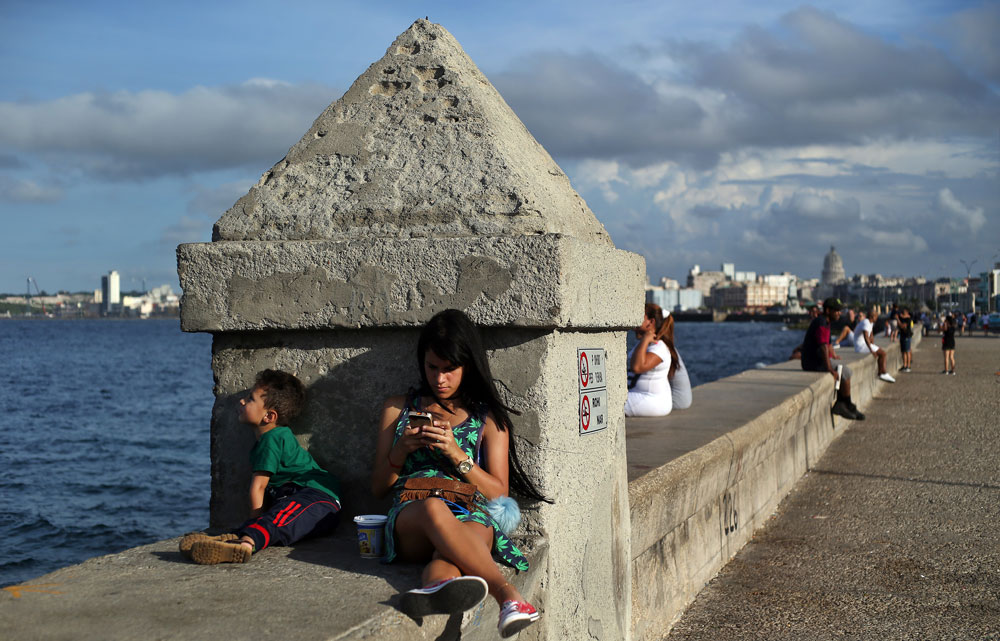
422	145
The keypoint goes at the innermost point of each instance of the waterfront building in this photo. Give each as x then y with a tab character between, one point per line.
749	296
833	269
110	292
675	299
704	281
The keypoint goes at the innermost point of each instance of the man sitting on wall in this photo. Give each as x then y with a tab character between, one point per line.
843	329
818	356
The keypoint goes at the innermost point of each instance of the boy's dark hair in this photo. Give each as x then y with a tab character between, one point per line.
283	393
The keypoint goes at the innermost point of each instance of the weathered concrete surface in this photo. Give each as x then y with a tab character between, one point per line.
420	145
320	590
893	532
752	436
527	281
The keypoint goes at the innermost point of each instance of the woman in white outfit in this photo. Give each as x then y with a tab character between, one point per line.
865	344
649	365
680	382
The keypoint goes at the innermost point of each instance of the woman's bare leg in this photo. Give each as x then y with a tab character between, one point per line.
428	528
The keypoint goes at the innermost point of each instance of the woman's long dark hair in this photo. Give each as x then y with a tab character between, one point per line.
664	332
453	337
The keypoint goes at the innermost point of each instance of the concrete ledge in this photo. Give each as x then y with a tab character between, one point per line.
318	590
510	281
702	480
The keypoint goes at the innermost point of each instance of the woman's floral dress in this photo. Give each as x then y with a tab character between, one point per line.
427	463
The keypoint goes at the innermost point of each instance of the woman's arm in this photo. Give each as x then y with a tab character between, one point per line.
642	360
389	456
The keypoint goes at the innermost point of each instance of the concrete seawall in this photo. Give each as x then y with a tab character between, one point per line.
700	482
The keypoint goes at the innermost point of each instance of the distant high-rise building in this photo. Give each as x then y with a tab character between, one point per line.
833	268
729	269
110	291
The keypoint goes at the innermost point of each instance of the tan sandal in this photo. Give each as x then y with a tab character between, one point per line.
213	552
191	538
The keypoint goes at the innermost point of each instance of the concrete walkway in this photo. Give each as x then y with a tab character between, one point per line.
895	534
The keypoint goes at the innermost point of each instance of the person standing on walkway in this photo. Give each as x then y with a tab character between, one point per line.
905	336
948	344
818	356
865	344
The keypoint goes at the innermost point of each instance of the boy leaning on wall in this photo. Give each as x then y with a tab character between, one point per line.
291	497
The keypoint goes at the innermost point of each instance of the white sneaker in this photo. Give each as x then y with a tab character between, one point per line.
445	597
515	616
888	379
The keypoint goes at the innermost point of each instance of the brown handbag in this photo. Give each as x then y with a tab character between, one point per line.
417	489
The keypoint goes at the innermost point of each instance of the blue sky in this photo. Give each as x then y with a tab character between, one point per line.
755	133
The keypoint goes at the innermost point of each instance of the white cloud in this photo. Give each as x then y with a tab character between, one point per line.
904	240
186	230
602	174
151	133
960	217
28	191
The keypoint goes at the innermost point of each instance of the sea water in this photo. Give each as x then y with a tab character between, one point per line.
105	439
105	442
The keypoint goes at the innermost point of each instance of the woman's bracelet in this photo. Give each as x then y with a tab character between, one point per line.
391	464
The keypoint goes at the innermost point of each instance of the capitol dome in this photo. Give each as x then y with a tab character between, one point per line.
833	268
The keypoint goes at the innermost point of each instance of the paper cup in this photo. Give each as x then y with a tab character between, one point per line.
371	533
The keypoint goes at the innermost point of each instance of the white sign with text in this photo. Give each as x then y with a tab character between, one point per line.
592	379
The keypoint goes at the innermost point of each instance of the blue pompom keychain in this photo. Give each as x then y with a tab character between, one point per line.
505	512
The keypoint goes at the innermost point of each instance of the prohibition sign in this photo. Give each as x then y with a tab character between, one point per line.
584	369
585	412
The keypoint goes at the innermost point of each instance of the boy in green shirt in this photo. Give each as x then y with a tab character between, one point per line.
304	495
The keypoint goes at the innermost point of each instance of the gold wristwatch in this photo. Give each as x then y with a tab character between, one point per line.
465	466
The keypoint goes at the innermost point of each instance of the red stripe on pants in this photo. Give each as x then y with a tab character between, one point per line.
284	514
267	537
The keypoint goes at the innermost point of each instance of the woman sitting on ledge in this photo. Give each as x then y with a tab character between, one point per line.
650	365
680	382
465	435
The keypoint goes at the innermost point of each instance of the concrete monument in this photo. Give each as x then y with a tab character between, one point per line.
417	191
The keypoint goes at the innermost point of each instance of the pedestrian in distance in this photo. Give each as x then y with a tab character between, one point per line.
948	344
905	338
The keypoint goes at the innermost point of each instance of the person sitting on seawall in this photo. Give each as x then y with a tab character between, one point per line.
817	356
864	344
905	338
467	437
291	497
843	329
649	367
680	382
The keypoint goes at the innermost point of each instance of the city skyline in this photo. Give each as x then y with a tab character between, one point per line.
759	135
